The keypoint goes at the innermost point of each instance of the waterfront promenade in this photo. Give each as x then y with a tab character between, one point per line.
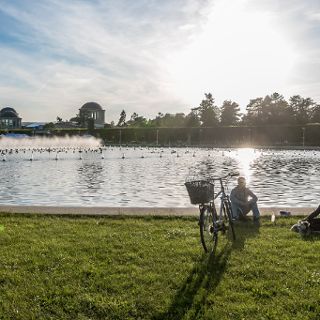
133	211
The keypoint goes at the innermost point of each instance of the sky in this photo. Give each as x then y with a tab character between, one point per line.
149	56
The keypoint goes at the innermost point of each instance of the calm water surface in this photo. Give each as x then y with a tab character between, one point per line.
155	177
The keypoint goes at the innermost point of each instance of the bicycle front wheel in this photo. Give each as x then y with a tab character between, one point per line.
228	217
208	234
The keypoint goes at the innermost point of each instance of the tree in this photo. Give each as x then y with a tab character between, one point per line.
276	109
157	122
59	119
209	113
76	119
315	116
192	119
272	109
254	112
230	112
137	121
122	119
49	125
302	108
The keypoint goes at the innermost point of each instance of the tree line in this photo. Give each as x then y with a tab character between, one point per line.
271	110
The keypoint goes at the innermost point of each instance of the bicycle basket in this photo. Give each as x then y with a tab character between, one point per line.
200	191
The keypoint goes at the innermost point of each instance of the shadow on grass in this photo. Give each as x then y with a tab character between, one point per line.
205	277
244	231
311	237
192	295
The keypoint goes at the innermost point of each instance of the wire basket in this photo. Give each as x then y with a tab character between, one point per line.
200	191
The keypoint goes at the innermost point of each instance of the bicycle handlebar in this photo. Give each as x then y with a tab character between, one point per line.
235	174
229	175
211	181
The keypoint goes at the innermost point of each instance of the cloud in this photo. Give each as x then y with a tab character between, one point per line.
147	56
72	52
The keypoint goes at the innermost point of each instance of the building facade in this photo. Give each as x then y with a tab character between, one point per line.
92	111
9	119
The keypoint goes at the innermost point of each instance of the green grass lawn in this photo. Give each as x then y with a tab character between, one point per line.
154	268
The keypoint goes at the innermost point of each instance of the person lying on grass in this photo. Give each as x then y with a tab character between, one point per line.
243	200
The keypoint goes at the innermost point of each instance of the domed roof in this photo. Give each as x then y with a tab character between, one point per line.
91	106
8	112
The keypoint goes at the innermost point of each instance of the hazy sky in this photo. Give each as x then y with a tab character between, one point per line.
150	56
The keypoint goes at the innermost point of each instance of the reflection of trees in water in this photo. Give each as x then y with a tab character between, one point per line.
90	175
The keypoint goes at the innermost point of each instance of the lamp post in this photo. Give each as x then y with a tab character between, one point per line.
303	136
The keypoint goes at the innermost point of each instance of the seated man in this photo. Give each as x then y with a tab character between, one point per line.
243	200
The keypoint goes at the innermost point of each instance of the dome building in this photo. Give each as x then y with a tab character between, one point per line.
92	110
9	119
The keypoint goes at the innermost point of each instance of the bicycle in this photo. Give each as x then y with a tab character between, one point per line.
211	223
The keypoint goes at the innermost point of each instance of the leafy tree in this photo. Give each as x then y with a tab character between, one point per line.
315	115
192	119
276	109
254	112
272	109
302	108
137	121
122	119
179	120
209	112
169	120
76	119
230	112
157	122
59	119
49	125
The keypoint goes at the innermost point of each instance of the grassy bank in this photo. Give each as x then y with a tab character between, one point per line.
153	268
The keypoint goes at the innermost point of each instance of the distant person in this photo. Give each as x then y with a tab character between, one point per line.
243	200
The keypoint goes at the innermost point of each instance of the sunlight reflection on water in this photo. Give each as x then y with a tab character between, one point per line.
282	178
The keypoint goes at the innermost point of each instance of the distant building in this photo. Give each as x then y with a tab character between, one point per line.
92	111
34	125
9	119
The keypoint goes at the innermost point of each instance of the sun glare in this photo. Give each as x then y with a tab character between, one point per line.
239	52
245	157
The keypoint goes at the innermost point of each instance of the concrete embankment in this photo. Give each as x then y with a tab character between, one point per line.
132	211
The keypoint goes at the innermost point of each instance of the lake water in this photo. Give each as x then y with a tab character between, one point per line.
154	177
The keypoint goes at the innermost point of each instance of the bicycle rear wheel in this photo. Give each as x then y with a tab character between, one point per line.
228	217
208	234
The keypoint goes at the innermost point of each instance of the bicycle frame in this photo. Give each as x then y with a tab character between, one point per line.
210	222
222	193
223	196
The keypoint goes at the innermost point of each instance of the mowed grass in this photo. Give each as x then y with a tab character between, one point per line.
55	267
